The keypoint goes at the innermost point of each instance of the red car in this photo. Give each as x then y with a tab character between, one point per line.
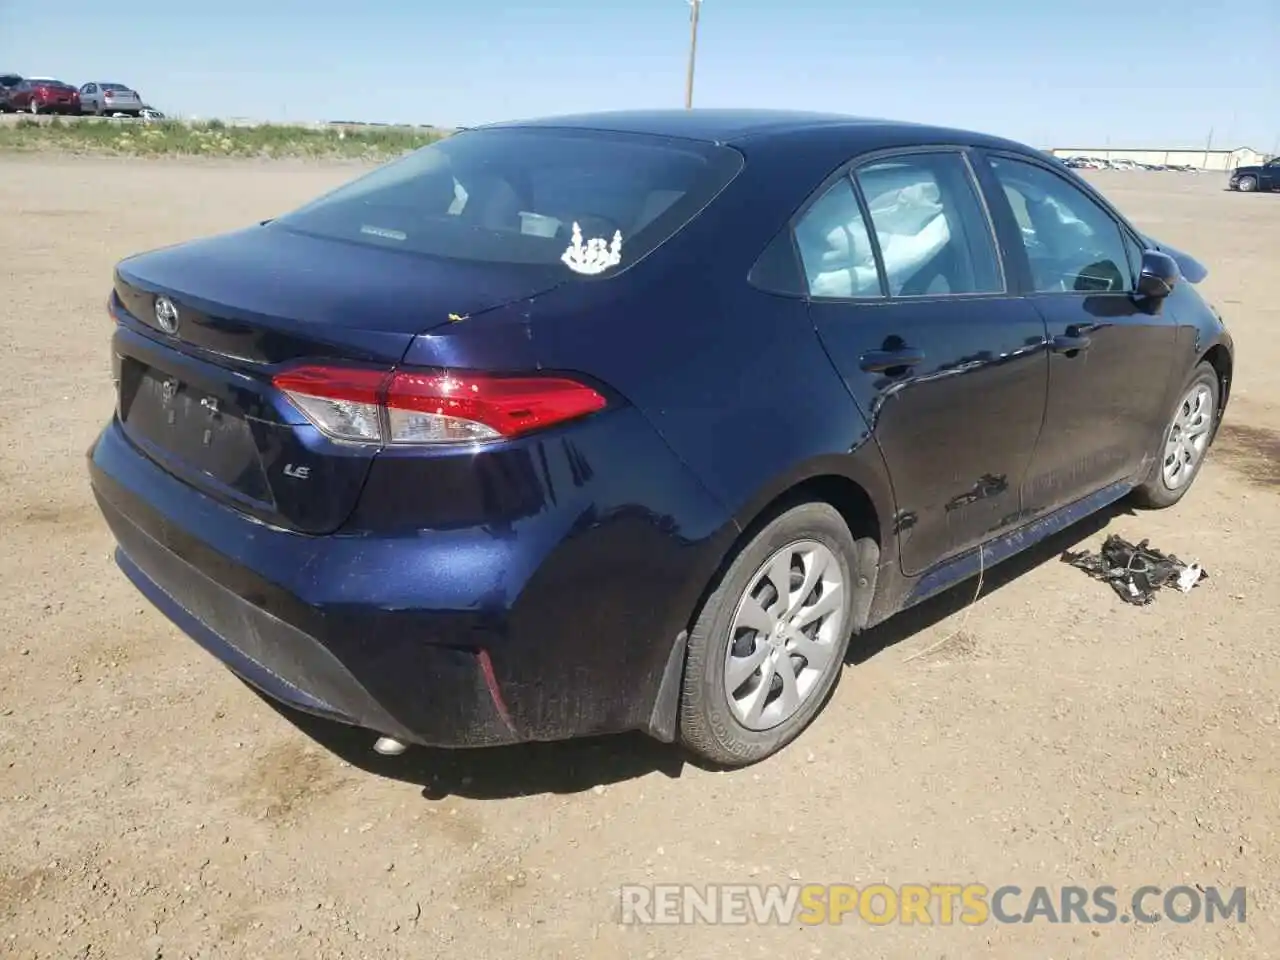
43	95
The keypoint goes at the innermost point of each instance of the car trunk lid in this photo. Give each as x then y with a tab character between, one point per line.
196	396
55	91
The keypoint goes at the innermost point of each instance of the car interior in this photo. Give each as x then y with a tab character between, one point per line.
533	205
923	241
1066	253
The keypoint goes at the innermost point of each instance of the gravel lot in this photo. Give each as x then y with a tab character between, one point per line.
151	805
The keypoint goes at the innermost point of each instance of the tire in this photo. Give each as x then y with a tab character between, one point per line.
712	722
1160	490
1247	184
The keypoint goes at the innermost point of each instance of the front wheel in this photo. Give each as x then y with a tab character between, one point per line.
1185	442
1247	184
769	642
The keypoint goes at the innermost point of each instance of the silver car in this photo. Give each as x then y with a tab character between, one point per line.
105	99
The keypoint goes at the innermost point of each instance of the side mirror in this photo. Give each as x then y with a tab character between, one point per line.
1159	275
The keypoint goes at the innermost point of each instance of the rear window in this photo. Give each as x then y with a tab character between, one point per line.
513	195
113	86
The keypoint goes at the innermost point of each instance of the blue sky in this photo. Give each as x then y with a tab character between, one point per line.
1080	72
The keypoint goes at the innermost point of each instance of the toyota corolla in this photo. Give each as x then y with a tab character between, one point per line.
629	421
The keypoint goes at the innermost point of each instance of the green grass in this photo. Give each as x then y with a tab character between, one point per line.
212	139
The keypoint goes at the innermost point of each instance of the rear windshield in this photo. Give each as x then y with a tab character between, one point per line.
113	86
513	195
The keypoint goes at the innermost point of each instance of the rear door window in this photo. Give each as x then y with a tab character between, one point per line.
514	195
932	229
835	248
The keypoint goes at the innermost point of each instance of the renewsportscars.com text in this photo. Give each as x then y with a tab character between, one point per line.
970	904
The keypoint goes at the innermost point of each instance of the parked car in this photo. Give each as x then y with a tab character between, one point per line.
8	82
110	98
548	429
1263	176
44	95
150	113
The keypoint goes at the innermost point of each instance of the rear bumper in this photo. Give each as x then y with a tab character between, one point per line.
451	638
296	668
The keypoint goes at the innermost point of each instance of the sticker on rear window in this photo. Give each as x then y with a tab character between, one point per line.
595	256
384	233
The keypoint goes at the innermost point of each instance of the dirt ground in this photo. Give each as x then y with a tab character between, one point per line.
151	805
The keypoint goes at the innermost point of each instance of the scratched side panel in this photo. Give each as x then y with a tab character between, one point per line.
959	429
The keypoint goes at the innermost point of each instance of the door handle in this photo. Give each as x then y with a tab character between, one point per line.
1070	344
878	361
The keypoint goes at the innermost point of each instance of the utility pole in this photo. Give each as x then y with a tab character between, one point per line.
695	9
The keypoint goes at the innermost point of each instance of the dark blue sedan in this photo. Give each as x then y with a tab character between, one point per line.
628	421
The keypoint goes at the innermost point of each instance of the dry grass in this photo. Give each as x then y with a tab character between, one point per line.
214	138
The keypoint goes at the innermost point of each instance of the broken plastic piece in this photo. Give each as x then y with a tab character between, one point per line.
1136	572
1189	577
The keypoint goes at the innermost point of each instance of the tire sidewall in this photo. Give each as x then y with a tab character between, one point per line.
813	521
1247	185
1155	493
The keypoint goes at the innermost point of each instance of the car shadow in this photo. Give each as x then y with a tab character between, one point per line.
576	766
493	773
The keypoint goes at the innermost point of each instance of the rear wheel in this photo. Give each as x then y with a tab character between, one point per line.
1185	442
1247	184
769	642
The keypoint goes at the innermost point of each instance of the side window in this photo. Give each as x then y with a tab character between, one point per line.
933	232
776	269
1072	243
835	249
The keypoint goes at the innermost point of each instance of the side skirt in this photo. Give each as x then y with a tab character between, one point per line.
957	569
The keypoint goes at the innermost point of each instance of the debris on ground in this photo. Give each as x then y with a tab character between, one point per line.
1135	572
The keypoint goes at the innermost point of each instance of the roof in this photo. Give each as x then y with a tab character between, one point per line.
828	138
713	125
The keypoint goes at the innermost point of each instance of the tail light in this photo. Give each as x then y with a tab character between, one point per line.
432	406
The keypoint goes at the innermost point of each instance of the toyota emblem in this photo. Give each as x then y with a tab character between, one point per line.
166	315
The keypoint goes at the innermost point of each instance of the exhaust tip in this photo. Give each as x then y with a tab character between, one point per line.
389	747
